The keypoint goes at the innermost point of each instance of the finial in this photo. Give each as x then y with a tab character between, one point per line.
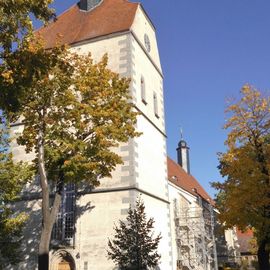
181	133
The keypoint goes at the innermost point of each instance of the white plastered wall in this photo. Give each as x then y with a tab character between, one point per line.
141	26
117	47
100	213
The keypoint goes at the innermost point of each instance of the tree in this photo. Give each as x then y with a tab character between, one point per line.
134	245
13	177
74	113
253	246
16	23
16	32
16	65
10	237
245	194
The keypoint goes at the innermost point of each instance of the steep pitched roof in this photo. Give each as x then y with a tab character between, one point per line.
75	25
244	240
180	178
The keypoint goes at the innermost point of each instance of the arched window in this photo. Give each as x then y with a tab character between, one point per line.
143	92
63	231
62	260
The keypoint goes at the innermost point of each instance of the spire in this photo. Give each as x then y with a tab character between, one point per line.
183	154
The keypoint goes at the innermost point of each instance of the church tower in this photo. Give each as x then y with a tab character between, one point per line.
123	30
183	155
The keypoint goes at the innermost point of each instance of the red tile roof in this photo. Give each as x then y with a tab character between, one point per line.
74	25
178	176
244	240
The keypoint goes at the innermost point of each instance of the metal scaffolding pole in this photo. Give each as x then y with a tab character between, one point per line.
195	239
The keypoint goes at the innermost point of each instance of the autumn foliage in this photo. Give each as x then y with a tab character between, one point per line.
244	199
13	177
75	111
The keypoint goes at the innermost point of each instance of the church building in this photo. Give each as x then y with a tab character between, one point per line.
192	216
124	31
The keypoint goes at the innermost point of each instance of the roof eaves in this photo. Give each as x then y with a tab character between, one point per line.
184	189
101	37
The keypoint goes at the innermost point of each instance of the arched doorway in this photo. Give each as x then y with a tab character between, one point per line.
62	260
64	265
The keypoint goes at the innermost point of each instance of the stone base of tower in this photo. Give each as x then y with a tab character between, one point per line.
96	215
97	225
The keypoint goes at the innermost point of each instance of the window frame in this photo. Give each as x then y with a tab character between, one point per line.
155	104
64	227
143	90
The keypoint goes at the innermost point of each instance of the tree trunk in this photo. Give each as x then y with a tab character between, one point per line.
46	232
43	261
49	213
43	252
263	256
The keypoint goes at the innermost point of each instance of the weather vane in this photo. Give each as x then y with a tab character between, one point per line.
181	133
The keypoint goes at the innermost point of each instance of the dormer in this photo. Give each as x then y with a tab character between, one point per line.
87	5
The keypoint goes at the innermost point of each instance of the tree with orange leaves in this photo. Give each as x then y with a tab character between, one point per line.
246	166
74	111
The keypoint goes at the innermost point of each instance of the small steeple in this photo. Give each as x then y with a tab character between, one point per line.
87	5
183	154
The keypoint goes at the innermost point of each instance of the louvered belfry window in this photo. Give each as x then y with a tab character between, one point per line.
64	227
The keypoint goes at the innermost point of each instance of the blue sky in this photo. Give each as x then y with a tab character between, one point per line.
208	50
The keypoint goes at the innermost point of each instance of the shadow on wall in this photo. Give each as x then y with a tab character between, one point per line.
31	234
31	204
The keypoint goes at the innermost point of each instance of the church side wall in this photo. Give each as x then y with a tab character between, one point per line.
174	194
196	223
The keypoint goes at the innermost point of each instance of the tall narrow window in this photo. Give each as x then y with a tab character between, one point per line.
155	101
63	231
143	93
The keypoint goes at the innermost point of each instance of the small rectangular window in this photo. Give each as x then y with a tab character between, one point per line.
155	101
143	93
85	266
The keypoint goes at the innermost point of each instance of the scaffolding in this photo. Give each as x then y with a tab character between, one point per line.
194	229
